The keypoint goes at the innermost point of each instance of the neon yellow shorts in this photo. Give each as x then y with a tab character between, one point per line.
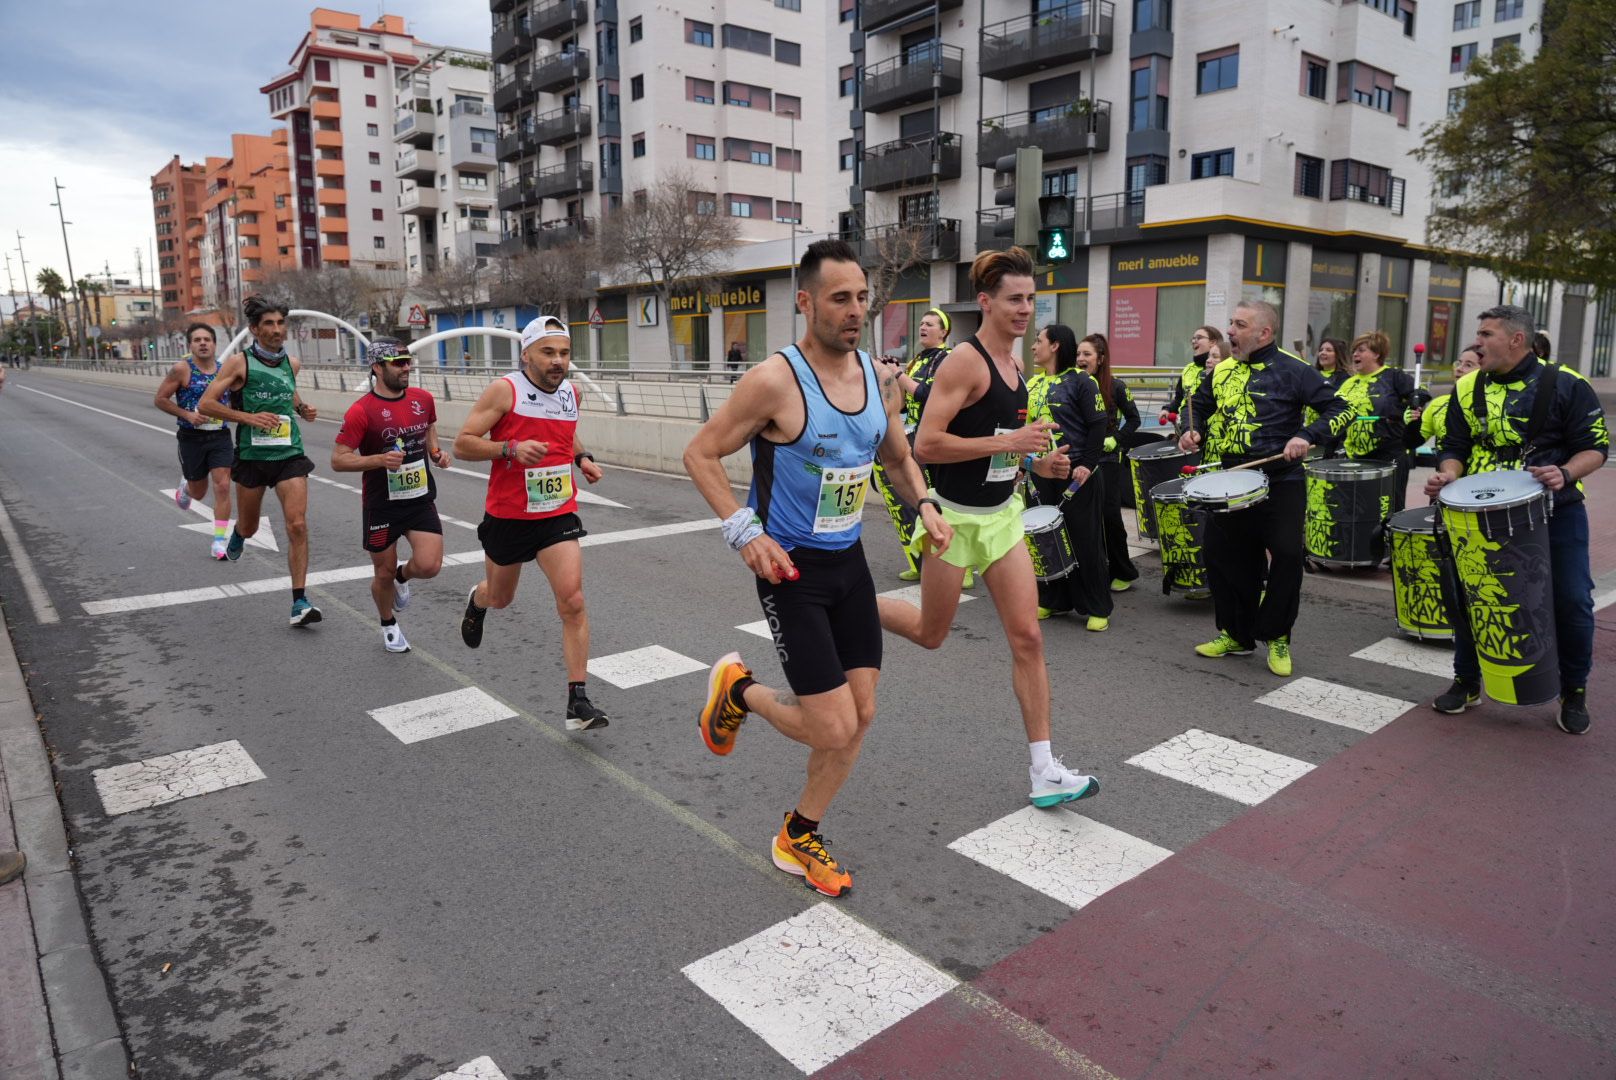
980	540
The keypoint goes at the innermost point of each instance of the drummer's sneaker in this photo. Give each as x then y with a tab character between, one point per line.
1279	656
910	574
1573	718
1458	697
1098	624
1118	585
970	580
1057	784
1224	645
1044	613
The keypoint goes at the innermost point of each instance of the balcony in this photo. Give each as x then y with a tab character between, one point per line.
1065	35
560	70
330	196
517	191
497	6
564	180
930	241
416	164
252	251
418	200
878	14
514	145
329	167
415	126
512	38
471	152
1084	126
907	79
1108	219
512	89
563	231
322	109
331	223
907	162
551	20
332	139
334	254
561	126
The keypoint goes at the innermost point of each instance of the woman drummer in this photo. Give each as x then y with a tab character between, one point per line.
1331	361
1122	420
1070	398
1206	348
1431	422
1379	396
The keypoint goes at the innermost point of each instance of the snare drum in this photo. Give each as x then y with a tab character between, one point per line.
1152	464
1050	547
1181	530
1226	492
1498	528
1347	505
1419	564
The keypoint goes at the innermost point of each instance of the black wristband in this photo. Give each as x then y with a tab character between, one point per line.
928	499
1565	472
578	458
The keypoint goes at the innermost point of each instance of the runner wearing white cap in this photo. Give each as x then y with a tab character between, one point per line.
526	424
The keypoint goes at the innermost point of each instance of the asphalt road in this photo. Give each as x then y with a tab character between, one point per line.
380	909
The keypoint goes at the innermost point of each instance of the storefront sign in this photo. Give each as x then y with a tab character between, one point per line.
1133	327
1266	262
1167	263
1337	270
1447	281
736	296
646	311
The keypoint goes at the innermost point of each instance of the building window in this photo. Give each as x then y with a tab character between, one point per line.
788	105
1462	56
1359	181
740	207
1467	16
636	88
1063	182
1213	163
1152	15
746	39
1315	75
787	52
1219	70
322	71
375	158
848	81
378	242
789	5
1509	9
375	185
706	205
1147	94
1309	176
376	215
370	71
747	96
1146	171
787	212
847	154
699	33
699	90
702	148
1364	85
787	159
638	145
1512	40
1456	100
636	30
370	101
372	130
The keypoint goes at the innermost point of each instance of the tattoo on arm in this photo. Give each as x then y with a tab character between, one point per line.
786	698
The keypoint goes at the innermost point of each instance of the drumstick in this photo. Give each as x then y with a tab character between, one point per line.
1259	461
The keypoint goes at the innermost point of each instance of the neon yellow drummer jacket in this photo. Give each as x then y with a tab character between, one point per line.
1249	409
1487	420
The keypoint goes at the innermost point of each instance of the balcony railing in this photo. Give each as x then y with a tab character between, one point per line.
560	232
415	164
877	13
560	126
906	162
568	178
1107	218
1063	35
471	108
415	126
512	38
553	19
516	191
512	89
560	70
418	200
1080	127
907	79
936	240
514	145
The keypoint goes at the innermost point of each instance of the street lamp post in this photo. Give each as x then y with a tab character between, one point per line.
33	312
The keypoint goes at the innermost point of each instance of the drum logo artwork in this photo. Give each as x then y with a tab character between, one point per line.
1320	520
1417	578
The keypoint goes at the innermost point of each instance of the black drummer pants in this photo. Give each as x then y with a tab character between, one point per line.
1242	548
1086	590
1121	567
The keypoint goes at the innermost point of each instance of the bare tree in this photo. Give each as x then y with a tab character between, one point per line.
672	238
388	291
456	285
548	277
890	251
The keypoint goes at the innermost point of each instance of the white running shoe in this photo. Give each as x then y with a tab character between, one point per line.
219	544
1058	784
182	498
393	639
401	594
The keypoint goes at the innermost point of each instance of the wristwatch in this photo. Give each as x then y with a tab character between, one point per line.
578	458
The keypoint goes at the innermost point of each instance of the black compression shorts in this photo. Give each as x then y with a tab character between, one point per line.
385	526
826	623
509	541
252	473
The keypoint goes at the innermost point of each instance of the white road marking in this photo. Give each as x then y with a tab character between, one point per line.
818	984
440	714
1337	704
1060	853
760	628
1247	774
263	538
1434	659
910	594
1604	600
587	497
650	532
32	586
171	777
481	1069
169	431
640	666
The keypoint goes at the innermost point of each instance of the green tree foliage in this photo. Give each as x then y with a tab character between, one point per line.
1525	173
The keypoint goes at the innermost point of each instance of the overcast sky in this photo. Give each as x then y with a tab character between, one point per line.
101	94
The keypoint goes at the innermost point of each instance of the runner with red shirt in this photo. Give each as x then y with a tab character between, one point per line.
390	434
526	423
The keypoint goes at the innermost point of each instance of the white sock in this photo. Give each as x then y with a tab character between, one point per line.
1041	758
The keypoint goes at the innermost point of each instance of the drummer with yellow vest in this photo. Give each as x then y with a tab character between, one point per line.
1429	421
1206	349
1379	396
1487	425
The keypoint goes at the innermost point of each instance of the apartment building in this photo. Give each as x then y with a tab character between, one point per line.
246	220
176	192
444	159
337	100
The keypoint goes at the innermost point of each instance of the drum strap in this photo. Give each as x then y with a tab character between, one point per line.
1540	407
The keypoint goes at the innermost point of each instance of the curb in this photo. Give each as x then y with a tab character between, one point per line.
56	1015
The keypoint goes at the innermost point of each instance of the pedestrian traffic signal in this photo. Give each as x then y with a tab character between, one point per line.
1017	179
1054	246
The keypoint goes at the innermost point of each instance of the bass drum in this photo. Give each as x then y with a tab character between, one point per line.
1347	506
1181	531
1420	563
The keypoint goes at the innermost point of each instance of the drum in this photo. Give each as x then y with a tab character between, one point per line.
1419	564
1348	503
1181	532
1498	530
1051	548
1226	492
1150	465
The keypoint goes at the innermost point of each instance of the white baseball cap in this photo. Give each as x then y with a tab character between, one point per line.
542	327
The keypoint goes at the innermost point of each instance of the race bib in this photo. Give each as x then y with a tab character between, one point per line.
209	424
548	488
279	435
841	498
1003	466
408	481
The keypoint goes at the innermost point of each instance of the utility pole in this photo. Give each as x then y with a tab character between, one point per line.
33	312
140	283
78	297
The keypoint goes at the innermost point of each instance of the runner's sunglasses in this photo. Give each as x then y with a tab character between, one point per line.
398	361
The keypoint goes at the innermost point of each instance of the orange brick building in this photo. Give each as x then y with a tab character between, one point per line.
246	219
177	212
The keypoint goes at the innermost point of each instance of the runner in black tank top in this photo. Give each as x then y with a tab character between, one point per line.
1001	409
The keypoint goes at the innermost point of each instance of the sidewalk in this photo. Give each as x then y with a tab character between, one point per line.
56	1017
1436	901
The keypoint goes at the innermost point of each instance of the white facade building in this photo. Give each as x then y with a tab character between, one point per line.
444	143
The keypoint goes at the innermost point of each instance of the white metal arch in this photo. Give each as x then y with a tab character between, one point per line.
500	331
304	313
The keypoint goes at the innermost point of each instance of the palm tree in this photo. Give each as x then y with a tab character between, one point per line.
92	315
54	288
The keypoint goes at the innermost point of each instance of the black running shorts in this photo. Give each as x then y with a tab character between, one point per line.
826	623
203	451
386	526
509	541
256	474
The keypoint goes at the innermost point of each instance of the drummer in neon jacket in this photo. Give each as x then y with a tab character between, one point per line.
1429	421
1379	397
1206	349
1487	421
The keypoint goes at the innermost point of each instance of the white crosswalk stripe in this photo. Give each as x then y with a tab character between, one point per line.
1427	659
760	628
1060	853
640	666
1235	770
168	778
440	714
1337	704
481	1069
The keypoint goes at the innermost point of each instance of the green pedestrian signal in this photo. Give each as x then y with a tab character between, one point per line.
1055	246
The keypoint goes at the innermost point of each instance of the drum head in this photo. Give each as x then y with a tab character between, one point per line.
1039	518
1168	491
1417	519
1223	486
1491	490
1336	469
1166	448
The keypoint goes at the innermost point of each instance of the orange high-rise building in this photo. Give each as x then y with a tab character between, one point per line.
245	219
177	207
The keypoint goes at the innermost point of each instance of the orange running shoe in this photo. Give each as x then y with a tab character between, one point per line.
806	857
720	718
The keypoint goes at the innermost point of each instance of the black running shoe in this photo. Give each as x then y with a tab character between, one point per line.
1573	718
1458	697
471	623
583	716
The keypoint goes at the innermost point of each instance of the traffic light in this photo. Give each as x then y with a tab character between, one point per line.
1017	180
115	321
1058	221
